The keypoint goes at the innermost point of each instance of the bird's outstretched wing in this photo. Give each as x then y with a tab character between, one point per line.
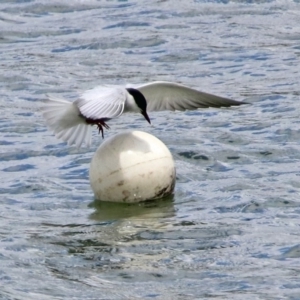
162	95
102	102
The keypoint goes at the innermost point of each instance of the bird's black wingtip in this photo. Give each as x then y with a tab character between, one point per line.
238	103
242	102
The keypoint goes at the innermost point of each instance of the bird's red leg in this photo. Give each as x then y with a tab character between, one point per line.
99	123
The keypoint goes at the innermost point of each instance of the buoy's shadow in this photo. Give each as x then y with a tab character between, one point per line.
109	211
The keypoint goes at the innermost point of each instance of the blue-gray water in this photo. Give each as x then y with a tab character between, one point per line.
231	231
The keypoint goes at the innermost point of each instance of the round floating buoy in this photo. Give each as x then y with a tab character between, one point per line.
132	167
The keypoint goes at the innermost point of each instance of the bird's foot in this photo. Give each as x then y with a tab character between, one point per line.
99	123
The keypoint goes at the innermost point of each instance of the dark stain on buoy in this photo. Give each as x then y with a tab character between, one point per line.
126	195
165	191
120	183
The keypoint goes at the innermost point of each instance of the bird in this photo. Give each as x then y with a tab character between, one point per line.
71	121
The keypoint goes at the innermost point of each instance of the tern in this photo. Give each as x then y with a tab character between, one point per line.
71	121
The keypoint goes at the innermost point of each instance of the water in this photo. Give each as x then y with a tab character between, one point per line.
231	229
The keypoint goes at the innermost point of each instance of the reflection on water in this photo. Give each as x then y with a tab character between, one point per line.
155	209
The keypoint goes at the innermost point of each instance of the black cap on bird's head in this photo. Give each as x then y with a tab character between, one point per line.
140	102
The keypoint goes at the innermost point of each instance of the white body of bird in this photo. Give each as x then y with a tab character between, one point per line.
68	119
71	121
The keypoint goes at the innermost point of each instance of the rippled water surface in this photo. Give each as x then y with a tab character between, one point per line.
231	230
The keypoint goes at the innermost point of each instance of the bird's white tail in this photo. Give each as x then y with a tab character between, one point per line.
63	118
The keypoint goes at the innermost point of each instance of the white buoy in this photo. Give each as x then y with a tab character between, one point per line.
132	167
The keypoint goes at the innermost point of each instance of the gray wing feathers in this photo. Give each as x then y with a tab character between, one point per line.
103	102
76	135
63	118
162	95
